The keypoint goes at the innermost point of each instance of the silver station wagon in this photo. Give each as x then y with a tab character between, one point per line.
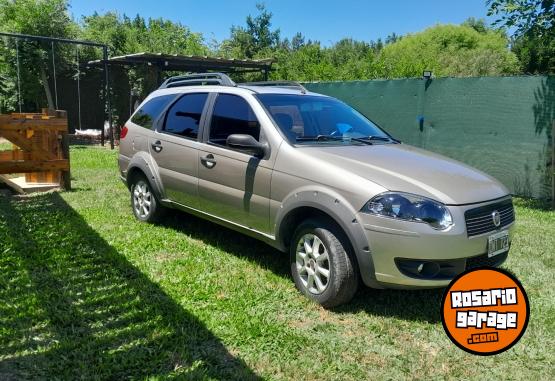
311	176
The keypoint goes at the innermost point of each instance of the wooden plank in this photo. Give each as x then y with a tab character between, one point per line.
32	116
9	123
19	185
13	166
11	184
15	154
28	145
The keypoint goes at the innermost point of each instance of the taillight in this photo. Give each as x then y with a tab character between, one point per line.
123	132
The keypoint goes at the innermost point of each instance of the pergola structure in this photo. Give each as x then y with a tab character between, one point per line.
187	63
159	61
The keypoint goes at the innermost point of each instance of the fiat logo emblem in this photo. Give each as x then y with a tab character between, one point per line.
496	217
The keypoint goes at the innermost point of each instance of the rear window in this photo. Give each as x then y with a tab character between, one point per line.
183	117
148	112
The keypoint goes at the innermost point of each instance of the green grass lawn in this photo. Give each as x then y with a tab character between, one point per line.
87	292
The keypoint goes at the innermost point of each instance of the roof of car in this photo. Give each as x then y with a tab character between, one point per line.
275	90
250	88
220	81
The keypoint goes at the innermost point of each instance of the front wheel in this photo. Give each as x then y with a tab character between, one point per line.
144	203
321	263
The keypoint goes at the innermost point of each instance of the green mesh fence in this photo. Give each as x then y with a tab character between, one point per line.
501	125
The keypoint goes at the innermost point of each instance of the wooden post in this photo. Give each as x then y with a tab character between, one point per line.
65	181
65	178
553	165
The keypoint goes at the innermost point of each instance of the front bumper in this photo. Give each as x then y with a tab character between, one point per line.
397	247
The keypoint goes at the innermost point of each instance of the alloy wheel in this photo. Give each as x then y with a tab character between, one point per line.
313	264
142	199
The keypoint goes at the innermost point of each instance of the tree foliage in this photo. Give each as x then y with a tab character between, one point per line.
35	17
449	50
524	15
124	35
534	36
470	49
253	39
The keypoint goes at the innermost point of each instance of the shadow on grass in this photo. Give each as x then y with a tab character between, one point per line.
72	307
419	305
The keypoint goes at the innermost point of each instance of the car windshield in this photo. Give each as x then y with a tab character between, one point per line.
321	120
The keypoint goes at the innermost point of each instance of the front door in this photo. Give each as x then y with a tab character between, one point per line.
234	185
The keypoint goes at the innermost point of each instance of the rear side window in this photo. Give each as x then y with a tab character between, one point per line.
232	115
183	117
148	112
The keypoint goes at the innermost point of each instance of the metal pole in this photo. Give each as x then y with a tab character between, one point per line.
54	71
78	88
42	38
104	96
108	100
18	75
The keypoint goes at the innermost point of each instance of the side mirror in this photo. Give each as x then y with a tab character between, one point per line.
248	144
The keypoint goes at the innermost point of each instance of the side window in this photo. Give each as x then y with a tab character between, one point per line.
183	117
146	115
232	115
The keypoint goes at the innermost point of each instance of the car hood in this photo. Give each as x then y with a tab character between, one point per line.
401	167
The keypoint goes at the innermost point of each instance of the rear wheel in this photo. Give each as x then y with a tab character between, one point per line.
322	265
144	203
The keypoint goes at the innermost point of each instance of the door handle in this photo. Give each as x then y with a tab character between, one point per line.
208	161
157	146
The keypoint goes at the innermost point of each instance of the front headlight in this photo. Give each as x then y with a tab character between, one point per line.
410	207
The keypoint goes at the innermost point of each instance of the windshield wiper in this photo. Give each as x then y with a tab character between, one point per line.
331	137
381	138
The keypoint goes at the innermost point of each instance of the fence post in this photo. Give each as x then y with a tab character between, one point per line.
65	181
65	178
553	165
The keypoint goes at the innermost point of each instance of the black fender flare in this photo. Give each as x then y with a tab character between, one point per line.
144	163
342	212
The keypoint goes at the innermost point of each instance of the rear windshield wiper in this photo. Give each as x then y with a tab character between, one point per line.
331	137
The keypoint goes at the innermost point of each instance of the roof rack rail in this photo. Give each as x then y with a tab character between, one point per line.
196	79
287	84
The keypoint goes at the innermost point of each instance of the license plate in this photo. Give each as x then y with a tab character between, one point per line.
498	243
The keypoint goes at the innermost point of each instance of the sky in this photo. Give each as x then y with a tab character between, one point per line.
327	21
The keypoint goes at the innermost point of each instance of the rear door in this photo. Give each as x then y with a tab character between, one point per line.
234	185
175	146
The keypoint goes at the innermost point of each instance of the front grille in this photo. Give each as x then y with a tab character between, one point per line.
484	261
480	221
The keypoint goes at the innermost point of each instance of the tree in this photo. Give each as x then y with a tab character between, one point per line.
448	50
479	25
524	15
255	38
297	41
42	18
534	36
125	35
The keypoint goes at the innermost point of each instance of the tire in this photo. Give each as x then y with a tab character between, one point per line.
318	239
144	203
